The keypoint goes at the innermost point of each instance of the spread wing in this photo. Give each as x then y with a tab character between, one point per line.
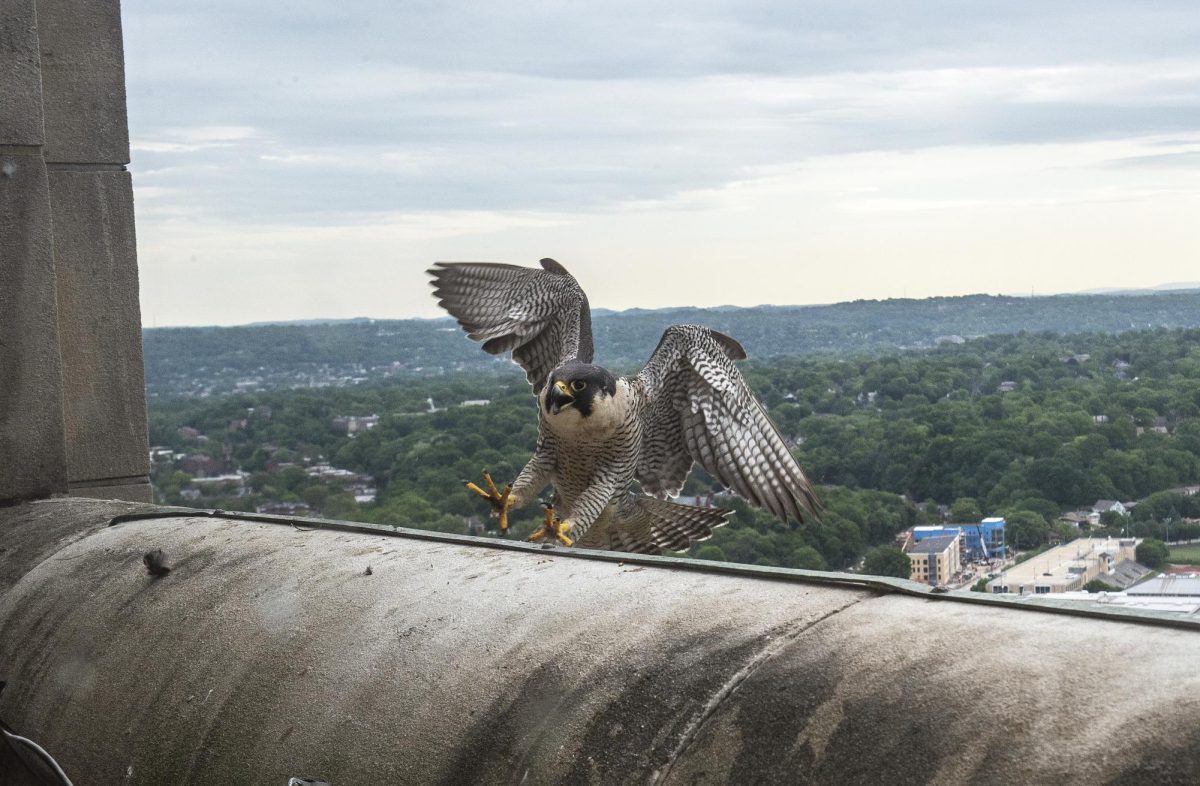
541	316
700	408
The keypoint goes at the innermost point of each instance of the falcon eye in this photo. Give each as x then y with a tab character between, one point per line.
578	385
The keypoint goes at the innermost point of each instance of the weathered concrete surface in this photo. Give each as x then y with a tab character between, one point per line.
139	491
83	81
99	326
20	75
32	450
32	533
268	652
947	693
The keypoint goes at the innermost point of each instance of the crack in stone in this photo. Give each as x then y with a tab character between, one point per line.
731	685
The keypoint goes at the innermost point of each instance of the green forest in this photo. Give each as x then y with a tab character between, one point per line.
1026	426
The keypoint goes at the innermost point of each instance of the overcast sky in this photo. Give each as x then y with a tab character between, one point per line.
312	159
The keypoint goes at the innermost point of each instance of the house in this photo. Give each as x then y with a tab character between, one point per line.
1105	505
363	490
330	472
234	483
1078	519
1008	386
355	424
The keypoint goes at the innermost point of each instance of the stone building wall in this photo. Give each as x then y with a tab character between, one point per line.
72	400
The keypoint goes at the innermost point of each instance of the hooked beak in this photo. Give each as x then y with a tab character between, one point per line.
558	397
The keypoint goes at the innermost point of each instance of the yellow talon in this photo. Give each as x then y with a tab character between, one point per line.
499	499
503	523
556	527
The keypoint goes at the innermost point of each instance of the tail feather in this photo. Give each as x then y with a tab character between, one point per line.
646	525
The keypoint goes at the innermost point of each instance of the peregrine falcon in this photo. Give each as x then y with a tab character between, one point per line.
597	432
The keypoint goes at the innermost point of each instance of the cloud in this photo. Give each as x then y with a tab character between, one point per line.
268	135
945	220
526	143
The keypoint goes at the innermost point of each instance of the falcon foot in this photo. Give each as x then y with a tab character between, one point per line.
499	499
555	527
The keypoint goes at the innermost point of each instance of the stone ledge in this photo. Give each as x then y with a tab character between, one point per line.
269	652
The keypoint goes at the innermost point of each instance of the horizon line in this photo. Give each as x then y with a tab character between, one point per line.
1161	289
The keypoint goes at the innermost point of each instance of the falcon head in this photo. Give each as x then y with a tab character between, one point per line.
580	386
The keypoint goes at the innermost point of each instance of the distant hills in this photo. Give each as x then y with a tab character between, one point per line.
318	353
307	322
1175	286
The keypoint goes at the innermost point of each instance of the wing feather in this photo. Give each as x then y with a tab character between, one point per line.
648	526
540	316
700	408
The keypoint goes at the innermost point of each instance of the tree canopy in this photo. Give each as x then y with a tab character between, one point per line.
887	439
1152	553
887	561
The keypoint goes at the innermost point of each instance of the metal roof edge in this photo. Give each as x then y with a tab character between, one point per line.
880	584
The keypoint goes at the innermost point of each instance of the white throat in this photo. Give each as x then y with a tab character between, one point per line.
608	414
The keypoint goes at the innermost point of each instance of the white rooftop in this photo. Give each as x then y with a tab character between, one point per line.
1187	586
1127	601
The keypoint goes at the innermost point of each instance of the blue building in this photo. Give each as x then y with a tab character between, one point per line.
982	541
